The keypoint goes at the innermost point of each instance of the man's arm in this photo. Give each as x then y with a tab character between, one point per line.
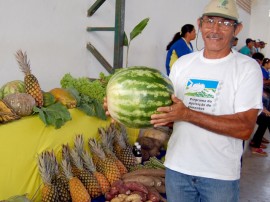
239	125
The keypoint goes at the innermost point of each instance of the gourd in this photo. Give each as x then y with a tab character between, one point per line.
48	99
65	97
21	103
135	93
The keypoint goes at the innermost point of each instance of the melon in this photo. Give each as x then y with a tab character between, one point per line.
16	86
135	93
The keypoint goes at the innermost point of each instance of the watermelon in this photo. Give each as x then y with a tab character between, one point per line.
135	93
16	86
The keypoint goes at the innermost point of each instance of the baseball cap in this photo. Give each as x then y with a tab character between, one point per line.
222	8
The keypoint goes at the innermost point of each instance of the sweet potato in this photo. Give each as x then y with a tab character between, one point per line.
136	186
109	196
147	172
153	195
161	189
120	186
145	180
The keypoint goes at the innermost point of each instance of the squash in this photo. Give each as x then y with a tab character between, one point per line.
21	103
48	99
65	97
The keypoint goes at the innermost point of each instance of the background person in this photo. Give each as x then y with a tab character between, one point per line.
247	49
180	45
213	112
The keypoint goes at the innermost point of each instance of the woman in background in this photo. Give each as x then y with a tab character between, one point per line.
180	45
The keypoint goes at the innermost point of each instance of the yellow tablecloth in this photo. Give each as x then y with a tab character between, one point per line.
21	141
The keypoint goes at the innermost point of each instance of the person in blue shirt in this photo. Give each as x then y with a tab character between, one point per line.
180	45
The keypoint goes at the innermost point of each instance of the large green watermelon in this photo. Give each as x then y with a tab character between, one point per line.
16	86
135	93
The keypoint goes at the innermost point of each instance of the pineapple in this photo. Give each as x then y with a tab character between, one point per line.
104	164
123	150
87	178
60	181
102	180
49	191
77	191
31	83
66	155
107	145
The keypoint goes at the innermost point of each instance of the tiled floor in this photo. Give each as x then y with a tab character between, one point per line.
255	177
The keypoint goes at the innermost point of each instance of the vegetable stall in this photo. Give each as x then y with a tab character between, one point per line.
63	134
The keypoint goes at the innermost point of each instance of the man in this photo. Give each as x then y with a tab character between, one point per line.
247	49
217	99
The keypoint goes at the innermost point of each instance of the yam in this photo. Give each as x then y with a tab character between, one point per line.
146	172
145	180
136	186
153	195
161	189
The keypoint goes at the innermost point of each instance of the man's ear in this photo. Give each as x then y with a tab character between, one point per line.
238	29
199	23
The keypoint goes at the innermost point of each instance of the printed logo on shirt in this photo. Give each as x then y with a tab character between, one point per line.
201	95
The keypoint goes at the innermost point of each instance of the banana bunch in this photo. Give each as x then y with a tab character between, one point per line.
6	113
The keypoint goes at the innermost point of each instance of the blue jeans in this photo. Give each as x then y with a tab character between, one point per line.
187	188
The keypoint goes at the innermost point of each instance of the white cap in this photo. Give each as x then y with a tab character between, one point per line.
222	8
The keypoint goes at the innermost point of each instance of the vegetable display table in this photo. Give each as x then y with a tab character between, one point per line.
22	141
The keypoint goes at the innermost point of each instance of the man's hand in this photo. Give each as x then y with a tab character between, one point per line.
176	112
105	106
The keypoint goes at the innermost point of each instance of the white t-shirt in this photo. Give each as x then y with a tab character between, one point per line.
215	86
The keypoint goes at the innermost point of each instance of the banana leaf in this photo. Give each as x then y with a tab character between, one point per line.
138	28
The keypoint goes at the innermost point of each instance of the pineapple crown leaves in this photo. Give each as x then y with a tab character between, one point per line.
45	168
106	139
76	159
78	144
66	153
88	162
96	148
24	64
66	169
54	162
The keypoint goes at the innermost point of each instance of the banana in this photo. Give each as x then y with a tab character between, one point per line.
6	113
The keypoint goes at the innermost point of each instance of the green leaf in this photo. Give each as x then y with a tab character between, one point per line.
125	39
56	114
138	28
100	112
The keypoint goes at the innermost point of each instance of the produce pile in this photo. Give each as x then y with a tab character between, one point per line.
109	169
24	98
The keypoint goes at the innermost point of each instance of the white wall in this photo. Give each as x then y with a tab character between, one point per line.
53	32
260	23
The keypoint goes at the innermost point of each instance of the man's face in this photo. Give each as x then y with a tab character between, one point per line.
217	34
